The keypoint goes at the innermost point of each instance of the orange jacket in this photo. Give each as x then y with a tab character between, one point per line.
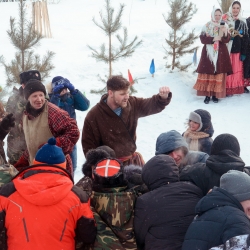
41	209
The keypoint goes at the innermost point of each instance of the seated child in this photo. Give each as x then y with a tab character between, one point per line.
199	132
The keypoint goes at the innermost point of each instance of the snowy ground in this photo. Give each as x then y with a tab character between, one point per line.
72	29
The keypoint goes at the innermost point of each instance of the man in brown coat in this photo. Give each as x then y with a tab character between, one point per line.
113	120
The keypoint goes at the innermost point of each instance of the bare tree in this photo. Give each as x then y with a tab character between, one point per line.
25	38
111	25
179	42
225	4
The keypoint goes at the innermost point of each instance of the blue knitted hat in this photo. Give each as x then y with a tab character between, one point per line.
50	153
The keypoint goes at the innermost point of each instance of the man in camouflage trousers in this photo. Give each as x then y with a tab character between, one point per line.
16	144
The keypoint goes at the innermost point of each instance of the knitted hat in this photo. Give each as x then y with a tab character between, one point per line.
56	80
28	75
205	119
108	173
237	184
33	86
51	154
169	141
225	141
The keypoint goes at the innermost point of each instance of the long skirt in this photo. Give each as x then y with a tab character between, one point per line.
235	82
211	85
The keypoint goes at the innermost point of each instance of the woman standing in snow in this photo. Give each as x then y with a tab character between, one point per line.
237	48
215	62
247	60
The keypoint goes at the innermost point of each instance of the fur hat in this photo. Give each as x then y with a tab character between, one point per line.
33	86
202	117
28	75
169	141
108	173
237	184
92	157
109	150
225	141
50	154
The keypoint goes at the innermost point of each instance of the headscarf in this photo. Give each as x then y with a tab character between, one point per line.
230	20
212	29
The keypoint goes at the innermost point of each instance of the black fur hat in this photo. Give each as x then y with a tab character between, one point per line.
28	75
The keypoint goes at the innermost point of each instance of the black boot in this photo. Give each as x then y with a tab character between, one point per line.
207	100
246	90
214	99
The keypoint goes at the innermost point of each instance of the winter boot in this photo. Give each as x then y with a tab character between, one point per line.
214	99
207	100
246	90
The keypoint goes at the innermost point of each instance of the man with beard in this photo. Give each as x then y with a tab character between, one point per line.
113	121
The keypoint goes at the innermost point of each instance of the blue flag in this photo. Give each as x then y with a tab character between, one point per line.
195	57
152	67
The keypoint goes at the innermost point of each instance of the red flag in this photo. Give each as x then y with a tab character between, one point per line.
130	78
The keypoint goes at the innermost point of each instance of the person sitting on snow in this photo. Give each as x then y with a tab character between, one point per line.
114	119
42	209
42	120
200	131
63	94
222	214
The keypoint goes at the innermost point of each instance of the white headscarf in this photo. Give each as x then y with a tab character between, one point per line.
212	29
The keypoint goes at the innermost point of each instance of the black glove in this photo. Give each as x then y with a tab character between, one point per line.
7	122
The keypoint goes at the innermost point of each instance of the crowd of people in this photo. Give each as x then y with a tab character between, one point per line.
194	193
224	67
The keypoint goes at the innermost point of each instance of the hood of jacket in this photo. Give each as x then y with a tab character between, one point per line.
160	170
218	197
43	185
223	162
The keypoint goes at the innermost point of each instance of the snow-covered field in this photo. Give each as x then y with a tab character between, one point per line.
73	29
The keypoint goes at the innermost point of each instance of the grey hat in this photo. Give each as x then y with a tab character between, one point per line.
169	141
193	116
237	184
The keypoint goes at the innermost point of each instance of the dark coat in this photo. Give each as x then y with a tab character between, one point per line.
247	60
240	43
70	102
223	63
102	126
207	175
163	215
220	217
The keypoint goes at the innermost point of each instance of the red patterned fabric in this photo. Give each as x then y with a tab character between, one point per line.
107	168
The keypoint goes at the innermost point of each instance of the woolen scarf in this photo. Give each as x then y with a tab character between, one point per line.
192	138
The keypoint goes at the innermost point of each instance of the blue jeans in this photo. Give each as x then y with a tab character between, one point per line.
73	156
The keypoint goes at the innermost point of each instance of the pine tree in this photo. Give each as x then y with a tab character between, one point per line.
111	25
225	4
179	42
24	38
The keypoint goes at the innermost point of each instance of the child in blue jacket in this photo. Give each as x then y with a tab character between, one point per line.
64	95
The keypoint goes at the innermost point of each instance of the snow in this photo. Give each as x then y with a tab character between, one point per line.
73	29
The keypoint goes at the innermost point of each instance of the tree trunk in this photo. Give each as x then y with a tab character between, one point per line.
110	62
174	55
22	32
